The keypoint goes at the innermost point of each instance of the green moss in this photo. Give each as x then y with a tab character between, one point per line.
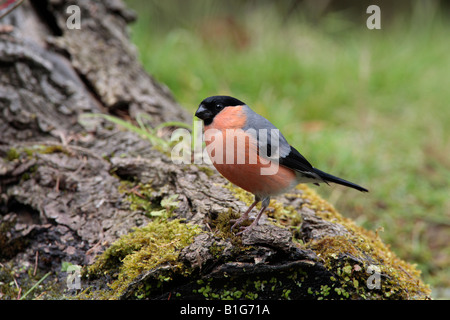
19	152
282	215
44	149
156	246
277	285
223	222
26	283
12	154
142	197
241	194
351	256
144	249
16	153
216	250
209	172
139	196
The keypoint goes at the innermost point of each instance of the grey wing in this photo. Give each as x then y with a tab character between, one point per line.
274	146
271	142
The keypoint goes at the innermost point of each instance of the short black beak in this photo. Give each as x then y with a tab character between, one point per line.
203	113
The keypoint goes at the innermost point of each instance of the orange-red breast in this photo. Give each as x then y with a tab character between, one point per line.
252	153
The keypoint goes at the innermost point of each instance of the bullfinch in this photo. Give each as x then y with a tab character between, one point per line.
252	153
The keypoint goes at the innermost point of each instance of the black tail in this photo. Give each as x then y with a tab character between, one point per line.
330	178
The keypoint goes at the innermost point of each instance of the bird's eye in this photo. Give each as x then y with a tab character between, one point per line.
219	107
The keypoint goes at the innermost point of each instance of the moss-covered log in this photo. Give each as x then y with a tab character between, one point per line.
90	193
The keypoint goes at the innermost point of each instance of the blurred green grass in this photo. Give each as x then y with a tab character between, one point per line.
371	106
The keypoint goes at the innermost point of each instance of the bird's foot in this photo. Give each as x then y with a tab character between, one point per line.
248	228
238	222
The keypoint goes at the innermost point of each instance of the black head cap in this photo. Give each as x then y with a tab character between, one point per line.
211	106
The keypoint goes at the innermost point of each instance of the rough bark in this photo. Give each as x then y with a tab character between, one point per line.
60	178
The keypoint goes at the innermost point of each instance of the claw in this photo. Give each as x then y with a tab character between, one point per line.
248	219
245	216
246	229
237	222
254	223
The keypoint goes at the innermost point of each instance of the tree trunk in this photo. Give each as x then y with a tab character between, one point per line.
71	188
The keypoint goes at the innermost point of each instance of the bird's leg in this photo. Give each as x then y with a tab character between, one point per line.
244	216
254	223
264	205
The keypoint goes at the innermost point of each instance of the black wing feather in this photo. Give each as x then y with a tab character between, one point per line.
297	162
294	160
